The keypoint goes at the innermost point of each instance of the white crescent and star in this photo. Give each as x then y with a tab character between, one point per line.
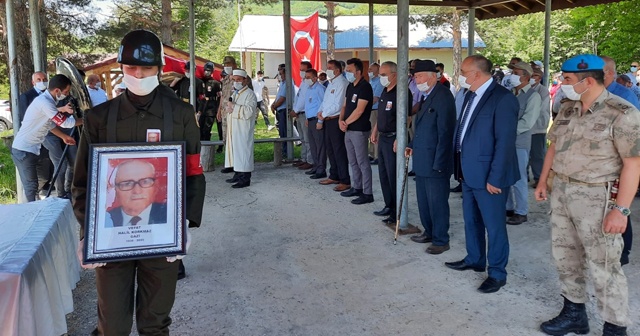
302	35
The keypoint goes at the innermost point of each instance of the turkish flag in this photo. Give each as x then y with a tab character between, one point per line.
305	45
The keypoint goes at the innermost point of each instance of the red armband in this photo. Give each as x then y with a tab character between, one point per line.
60	118
193	165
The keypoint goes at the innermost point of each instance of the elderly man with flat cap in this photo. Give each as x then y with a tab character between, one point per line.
432	150
595	156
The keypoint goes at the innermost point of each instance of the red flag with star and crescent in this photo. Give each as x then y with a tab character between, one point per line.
305	44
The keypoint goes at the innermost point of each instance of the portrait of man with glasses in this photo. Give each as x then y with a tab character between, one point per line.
136	191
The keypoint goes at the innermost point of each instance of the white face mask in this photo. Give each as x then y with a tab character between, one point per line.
350	77
141	86
98	85
463	82
41	86
371	75
384	81
302	74
570	91
187	74
308	82
238	85
228	70
424	87
514	80
330	74
61	97
638	78
532	82
438	75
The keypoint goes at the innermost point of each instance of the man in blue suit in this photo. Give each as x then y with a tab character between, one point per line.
486	163
433	159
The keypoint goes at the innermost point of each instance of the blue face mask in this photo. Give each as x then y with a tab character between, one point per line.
634	69
350	77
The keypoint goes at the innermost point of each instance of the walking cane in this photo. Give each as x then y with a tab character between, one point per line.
404	185
56	171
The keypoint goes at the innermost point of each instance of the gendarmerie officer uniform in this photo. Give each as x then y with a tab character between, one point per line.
123	119
212	88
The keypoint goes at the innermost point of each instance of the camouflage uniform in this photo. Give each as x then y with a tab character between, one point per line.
588	156
227	90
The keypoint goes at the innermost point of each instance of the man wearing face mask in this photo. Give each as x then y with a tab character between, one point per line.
322	78
632	74
145	105
530	105
239	153
539	129
384	135
506	81
485	161
595	156
441	78
433	159
279	107
312	103
44	166
334	98
354	121
374	80
298	113
41	117
96	93
212	101
182	87
258	90
227	89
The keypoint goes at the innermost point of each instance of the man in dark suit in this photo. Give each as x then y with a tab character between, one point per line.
136	190
486	163
44	166
433	159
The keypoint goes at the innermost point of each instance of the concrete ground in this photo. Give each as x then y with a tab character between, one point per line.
288	256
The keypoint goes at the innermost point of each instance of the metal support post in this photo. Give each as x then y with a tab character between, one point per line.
402	104
288	77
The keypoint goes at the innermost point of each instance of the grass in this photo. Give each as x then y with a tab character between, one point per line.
7	173
262	153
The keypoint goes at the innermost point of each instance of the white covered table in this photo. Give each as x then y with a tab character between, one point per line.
38	267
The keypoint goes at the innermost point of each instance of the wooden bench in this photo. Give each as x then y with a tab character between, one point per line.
208	151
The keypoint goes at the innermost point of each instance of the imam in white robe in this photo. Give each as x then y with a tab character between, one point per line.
241	125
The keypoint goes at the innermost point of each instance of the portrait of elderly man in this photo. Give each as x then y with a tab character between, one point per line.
136	189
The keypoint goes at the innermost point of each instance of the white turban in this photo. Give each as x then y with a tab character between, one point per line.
240	72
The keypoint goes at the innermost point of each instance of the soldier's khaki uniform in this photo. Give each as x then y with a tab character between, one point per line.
588	156
227	90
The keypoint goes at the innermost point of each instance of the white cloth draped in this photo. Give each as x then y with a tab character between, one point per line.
240	127
38	267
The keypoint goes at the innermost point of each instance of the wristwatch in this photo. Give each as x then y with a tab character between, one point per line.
625	211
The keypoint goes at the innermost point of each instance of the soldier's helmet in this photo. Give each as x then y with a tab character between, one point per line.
141	47
208	66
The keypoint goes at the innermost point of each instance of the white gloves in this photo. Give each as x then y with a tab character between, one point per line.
178	257
79	253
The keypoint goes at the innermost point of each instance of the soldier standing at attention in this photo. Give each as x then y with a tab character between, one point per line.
595	156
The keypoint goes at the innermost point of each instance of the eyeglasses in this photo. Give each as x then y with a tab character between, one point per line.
127	185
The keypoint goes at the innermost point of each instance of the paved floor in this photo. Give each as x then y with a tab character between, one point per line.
287	256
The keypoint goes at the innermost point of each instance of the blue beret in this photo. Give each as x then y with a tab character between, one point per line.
583	63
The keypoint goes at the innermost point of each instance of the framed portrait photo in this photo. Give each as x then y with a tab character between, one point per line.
135	202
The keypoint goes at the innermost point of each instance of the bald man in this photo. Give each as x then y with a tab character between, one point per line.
136	191
97	94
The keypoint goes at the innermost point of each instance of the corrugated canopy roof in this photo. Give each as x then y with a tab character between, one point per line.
491	9
265	33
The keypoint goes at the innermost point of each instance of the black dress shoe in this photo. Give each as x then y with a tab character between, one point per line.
491	285
182	273
510	213
462	266
389	220
384	212
458	188
517	219
318	176
234	179
241	184
310	172
363	199
374	162
227	170
421	239
351	192
412	173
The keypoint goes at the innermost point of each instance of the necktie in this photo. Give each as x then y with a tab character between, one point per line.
134	220
463	120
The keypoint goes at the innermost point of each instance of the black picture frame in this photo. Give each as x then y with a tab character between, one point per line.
135	202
